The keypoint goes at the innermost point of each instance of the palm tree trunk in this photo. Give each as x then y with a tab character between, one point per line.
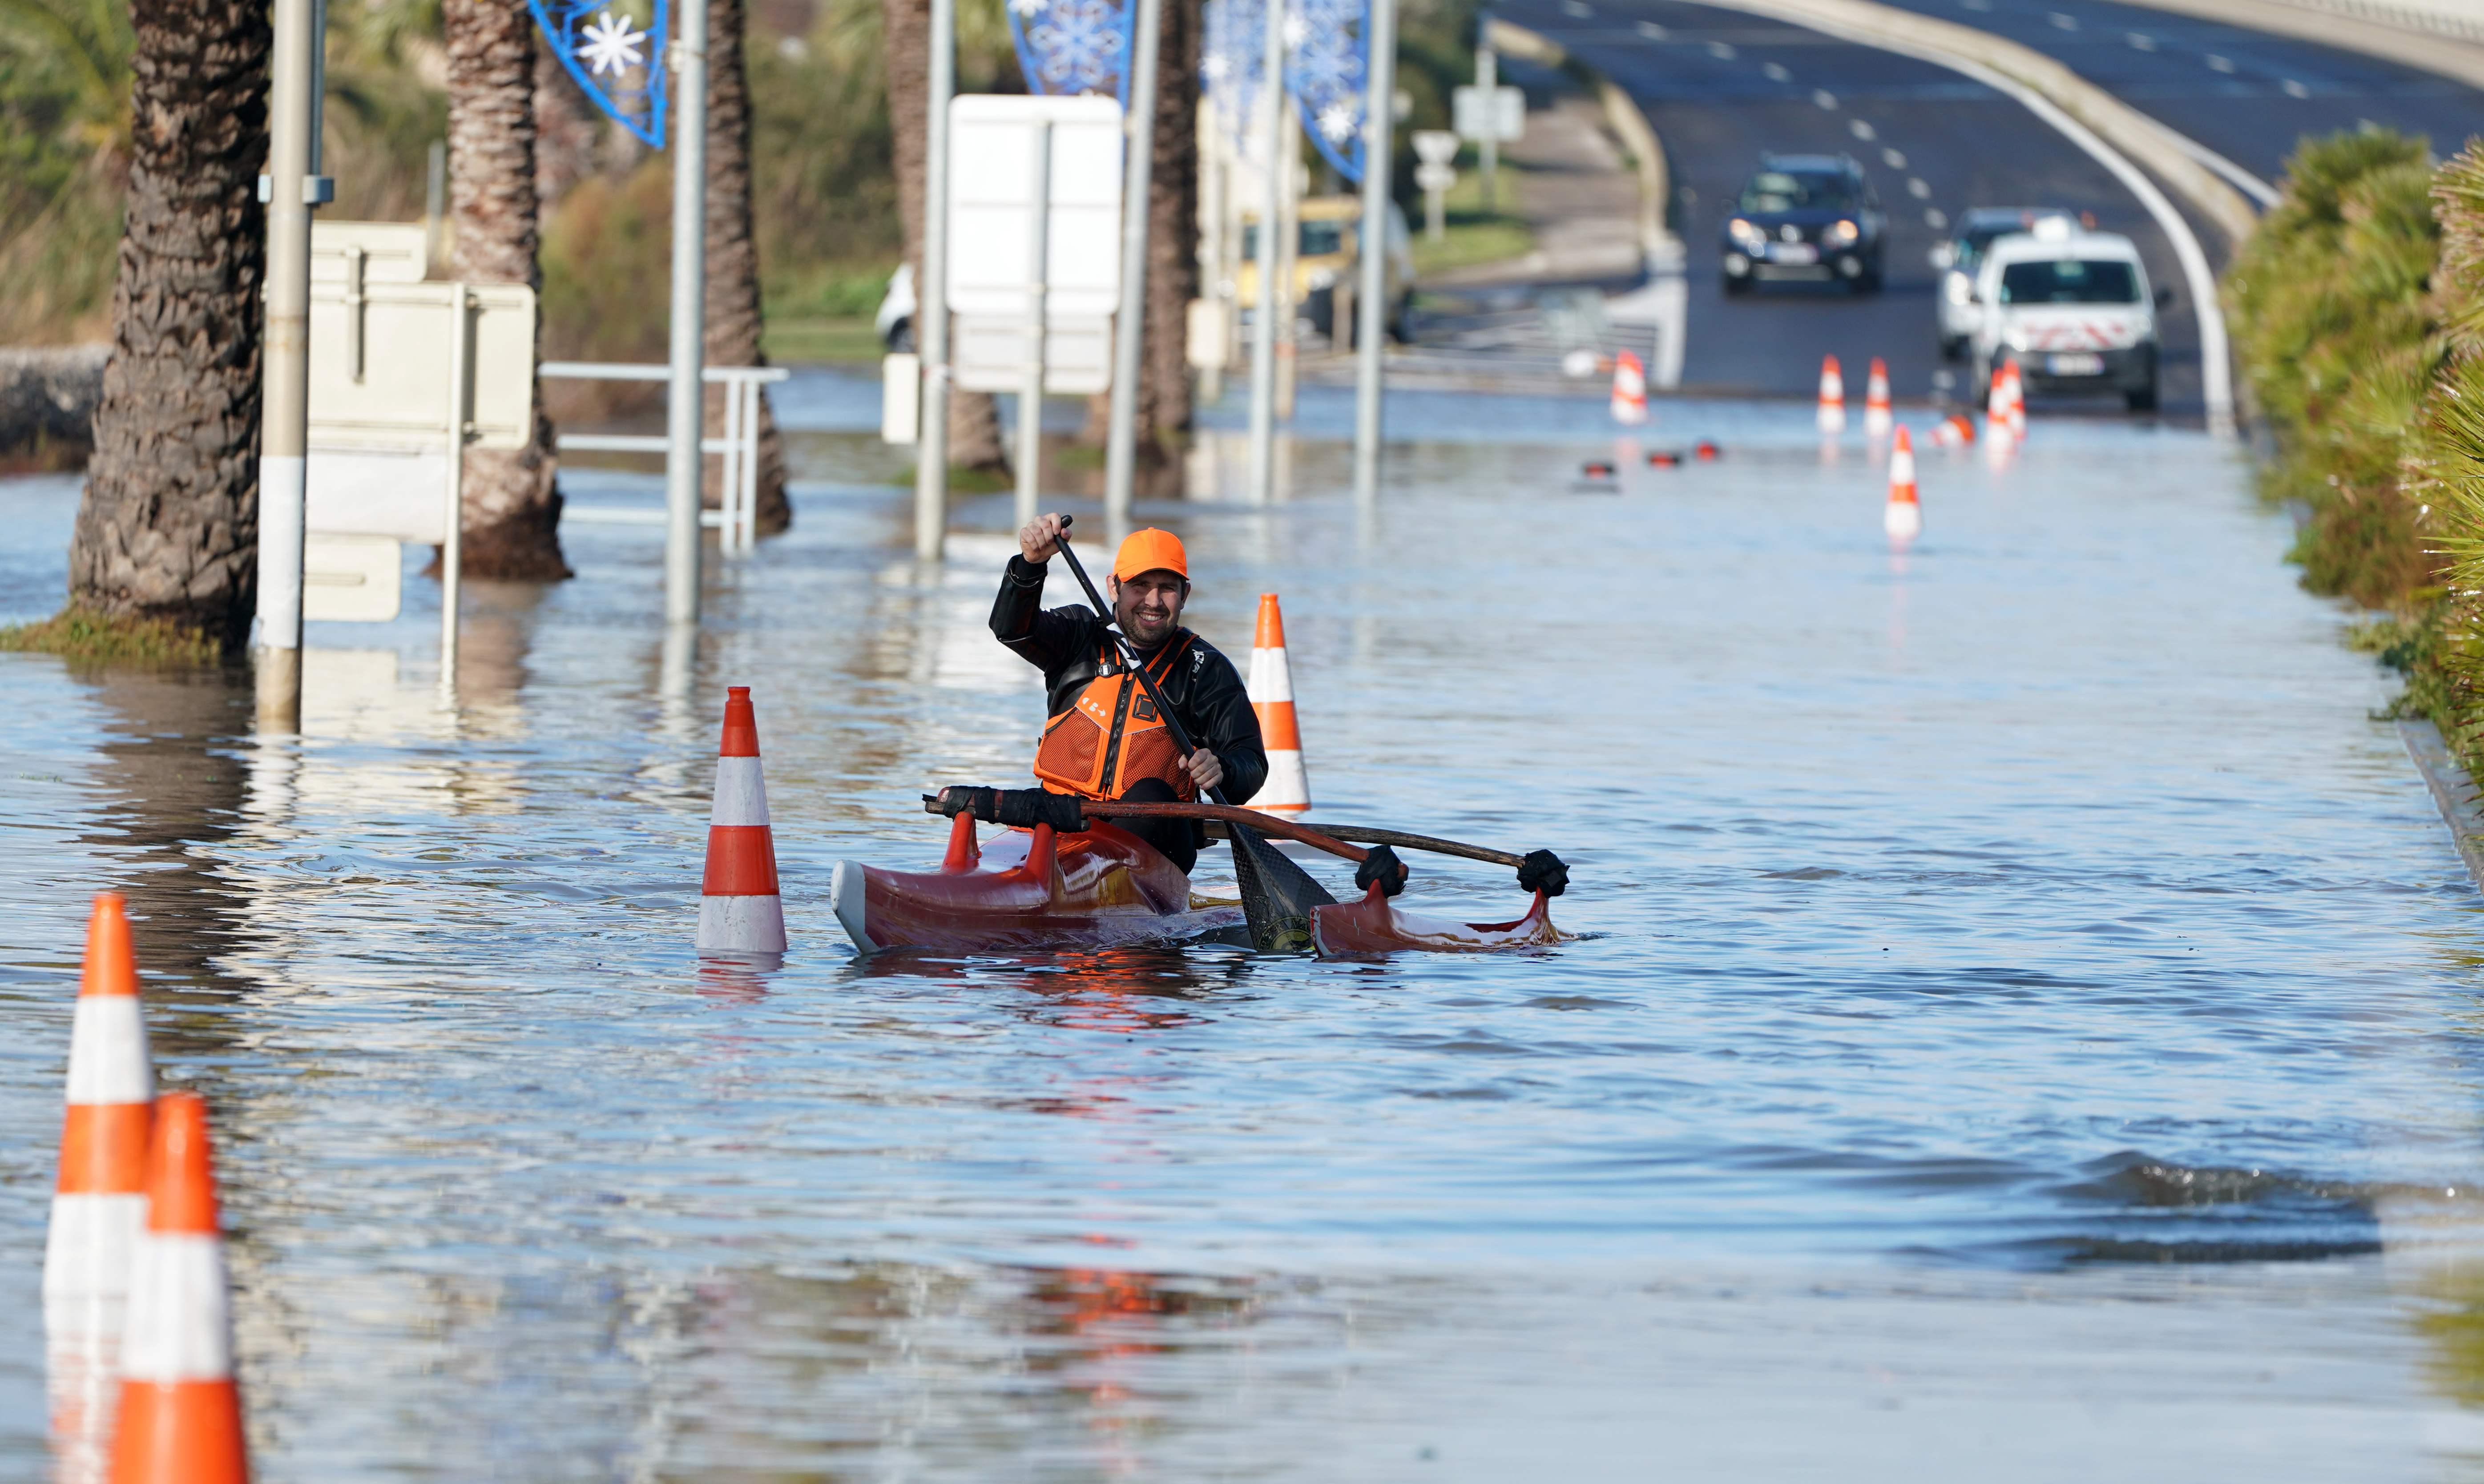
168	527
974	420
1164	408
512	509
734	318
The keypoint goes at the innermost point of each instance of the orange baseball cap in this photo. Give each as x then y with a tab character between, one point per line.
1150	550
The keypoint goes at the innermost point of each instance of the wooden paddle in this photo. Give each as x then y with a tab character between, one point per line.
1277	895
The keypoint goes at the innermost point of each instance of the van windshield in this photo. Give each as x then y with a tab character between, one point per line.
1782	190
2071	280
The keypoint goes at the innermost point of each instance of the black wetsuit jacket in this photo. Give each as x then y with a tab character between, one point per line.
1205	691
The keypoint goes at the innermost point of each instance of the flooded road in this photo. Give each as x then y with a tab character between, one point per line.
2024	1024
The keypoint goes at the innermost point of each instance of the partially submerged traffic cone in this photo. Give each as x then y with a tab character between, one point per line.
1996	402
1903	514
1876	400
1954	431
1832	397
1271	688
2018	404
740	909
99	1202
1630	392
180	1410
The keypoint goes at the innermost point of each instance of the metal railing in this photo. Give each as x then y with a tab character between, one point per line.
738	446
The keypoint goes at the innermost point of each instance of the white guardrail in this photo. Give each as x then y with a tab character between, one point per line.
738	446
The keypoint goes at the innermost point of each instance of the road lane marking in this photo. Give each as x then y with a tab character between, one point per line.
2293	90
1895	159
1823	98
2066	23
1720	51
2217	64
1862	130
2141	41
1773	71
1919	188
1651	30
1935	219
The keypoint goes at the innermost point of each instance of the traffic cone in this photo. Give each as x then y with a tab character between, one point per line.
1876	400
1630	392
1903	514
99	1202
1832	397
740	909
2018	404
1996	403
1954	431
180	1410
1271	688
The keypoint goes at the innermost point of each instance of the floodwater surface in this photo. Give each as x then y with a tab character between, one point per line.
2023	1024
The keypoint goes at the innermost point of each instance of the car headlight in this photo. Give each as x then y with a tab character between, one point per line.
1842	233
1958	289
1749	238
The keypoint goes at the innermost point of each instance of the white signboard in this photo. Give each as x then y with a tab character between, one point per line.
1497	114
993	221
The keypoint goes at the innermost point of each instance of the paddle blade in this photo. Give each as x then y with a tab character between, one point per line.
1277	895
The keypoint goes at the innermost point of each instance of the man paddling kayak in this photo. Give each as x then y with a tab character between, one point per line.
1102	738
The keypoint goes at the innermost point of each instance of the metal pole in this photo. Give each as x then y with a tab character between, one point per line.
1381	73
1290	241
1263	329
435	199
1488	78
932	292
1029	395
284	428
1214	266
684	405
1138	170
452	543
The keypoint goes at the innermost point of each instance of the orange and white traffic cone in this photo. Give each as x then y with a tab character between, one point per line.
740	908
1629	396
100	1204
1832	397
181	1409
1954	431
1876	400
1996	403
2018	404
1903	514
1271	688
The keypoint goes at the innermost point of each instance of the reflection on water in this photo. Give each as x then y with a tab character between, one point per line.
2023	1023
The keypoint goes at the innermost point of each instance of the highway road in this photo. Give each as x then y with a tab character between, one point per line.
1720	87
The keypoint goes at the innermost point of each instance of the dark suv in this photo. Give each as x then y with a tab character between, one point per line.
1805	217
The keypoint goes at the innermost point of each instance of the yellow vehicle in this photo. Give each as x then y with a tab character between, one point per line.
1325	251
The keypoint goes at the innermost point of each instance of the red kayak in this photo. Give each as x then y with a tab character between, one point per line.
1028	889
1032	889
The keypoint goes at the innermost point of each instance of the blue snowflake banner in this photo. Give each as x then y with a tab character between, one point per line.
1324	71
1325	67
1071	47
621	68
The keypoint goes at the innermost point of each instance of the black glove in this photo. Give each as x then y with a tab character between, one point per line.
1542	871
1382	865
1018	808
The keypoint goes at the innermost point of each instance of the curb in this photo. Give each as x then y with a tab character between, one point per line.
2451	789
2329	25
1655	183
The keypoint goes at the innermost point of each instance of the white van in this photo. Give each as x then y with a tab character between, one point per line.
2073	309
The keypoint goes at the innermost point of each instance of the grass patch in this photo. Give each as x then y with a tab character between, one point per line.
1469	233
798	339
86	637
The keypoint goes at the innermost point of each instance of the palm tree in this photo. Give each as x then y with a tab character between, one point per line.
168	527
733	315
1164	407
974	420
512	510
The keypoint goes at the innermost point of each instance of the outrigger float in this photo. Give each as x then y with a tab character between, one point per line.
1041	887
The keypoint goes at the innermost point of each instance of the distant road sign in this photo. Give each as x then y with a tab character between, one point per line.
1497	114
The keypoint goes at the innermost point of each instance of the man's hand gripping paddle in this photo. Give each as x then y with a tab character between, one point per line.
1277	895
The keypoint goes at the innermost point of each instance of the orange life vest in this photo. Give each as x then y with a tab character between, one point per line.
1112	736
